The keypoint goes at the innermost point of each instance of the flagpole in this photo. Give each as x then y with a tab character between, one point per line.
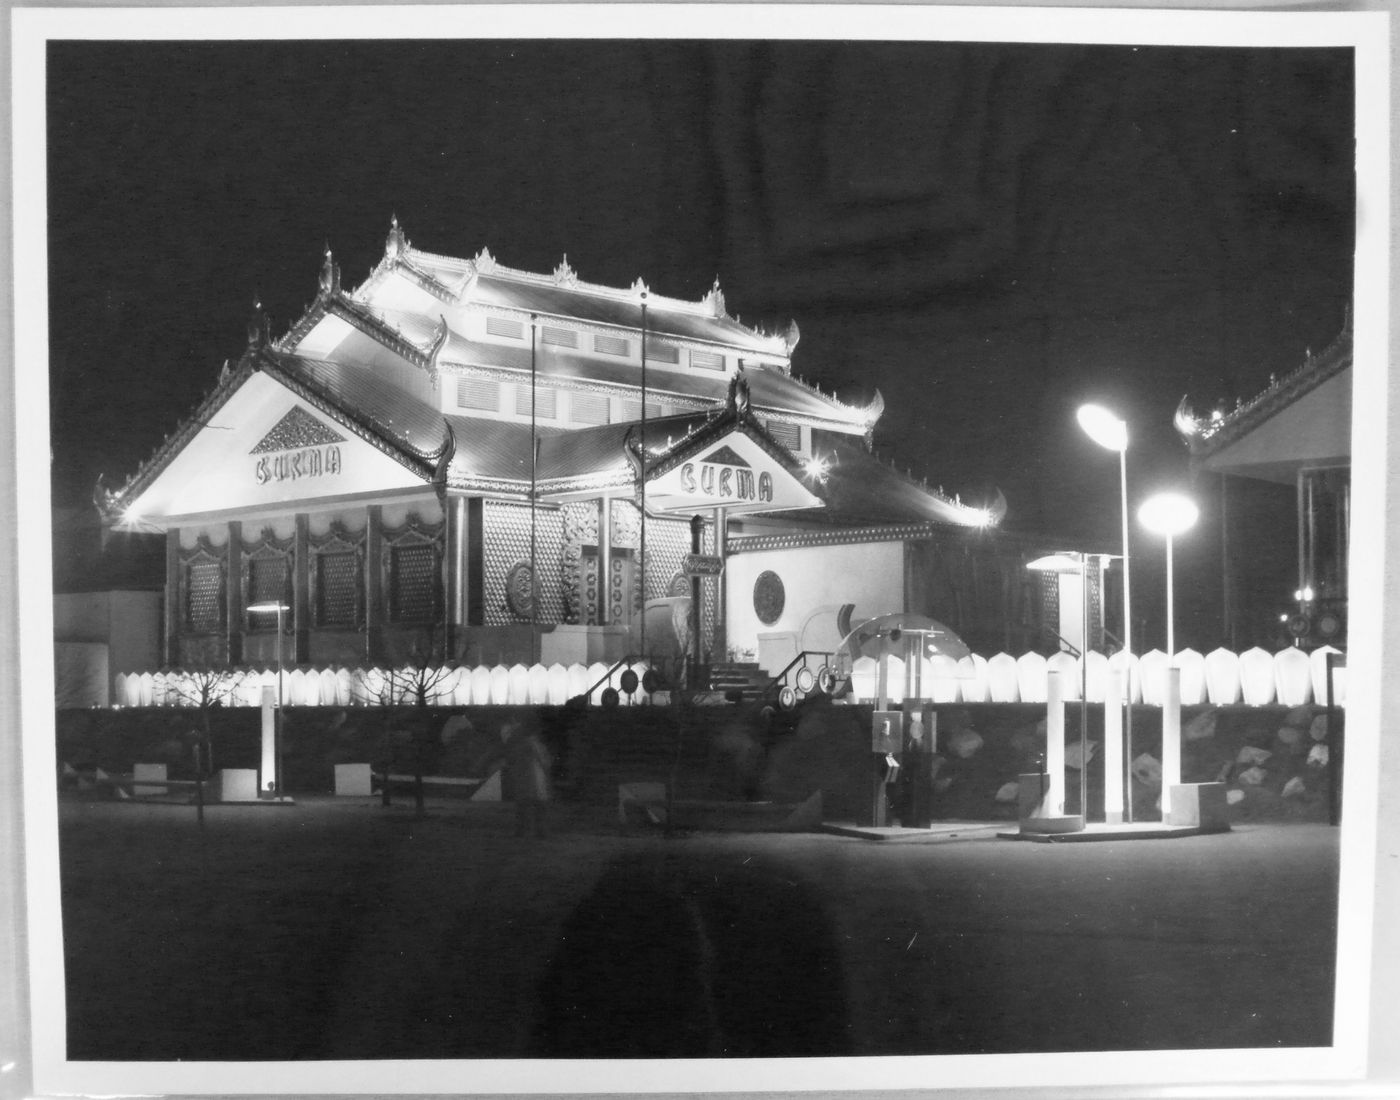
643	548
534	473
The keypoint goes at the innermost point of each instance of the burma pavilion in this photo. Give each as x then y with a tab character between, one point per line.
495	465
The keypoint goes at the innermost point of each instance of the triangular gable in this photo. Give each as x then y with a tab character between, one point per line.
735	472
265	447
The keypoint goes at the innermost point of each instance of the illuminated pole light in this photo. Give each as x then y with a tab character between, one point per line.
1074	563
1111	433
279	609
1169	515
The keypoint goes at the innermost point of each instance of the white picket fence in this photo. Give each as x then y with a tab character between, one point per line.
343	687
1256	677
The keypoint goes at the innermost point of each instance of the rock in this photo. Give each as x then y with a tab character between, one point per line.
1252	776
964	743
1251	755
1072	754
1299	717
1147	770
941	785
1200	728
1008	792
1290	735
1234	796
1318	757
1026	744
1318	729
1294	788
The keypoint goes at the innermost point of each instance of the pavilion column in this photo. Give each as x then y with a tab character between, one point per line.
172	596
474	539
455	568
374	581
301	591
721	643
233	606
604	559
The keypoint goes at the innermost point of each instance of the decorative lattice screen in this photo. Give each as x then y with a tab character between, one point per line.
203	592
413	584
337	588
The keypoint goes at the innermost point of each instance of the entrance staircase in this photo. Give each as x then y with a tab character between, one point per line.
745	677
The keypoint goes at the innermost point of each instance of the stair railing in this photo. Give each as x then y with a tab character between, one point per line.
799	678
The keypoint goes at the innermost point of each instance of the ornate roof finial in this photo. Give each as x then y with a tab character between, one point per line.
791	335
257	326
639	287
564	275
484	262
738	400
715	300
396	244
330	275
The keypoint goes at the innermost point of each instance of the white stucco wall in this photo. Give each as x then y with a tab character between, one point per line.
817	581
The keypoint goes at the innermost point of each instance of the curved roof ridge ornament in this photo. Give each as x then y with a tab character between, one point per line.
791	335
996	511
434	351
1184	420
106	501
396	244
443	460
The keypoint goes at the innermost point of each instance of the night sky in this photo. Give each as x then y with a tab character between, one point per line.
990	234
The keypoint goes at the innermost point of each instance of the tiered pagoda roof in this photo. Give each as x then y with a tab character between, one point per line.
373	361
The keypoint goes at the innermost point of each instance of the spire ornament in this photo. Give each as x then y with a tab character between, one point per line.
564	275
715	300
396	244
259	327
330	276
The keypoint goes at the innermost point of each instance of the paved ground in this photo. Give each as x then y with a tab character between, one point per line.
345	930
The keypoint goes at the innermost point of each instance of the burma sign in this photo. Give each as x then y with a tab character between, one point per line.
309	462
702	565
735	473
298	446
722	481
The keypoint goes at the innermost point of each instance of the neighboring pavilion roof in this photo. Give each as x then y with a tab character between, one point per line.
1300	418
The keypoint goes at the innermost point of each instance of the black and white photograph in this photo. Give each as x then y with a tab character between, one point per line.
605	548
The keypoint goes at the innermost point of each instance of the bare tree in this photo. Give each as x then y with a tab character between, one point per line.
204	688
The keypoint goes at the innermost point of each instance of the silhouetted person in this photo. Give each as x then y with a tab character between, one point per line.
527	768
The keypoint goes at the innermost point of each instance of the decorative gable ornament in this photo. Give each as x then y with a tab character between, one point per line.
298	428
484	262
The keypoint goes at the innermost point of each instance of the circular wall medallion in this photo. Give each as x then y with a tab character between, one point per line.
520	593
768	597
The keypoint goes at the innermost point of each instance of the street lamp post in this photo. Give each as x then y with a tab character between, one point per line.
278	608
1075	562
1111	433
1168	515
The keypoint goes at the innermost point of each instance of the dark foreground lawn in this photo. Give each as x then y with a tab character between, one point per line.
341	929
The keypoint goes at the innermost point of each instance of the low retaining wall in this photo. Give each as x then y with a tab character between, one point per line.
1272	759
